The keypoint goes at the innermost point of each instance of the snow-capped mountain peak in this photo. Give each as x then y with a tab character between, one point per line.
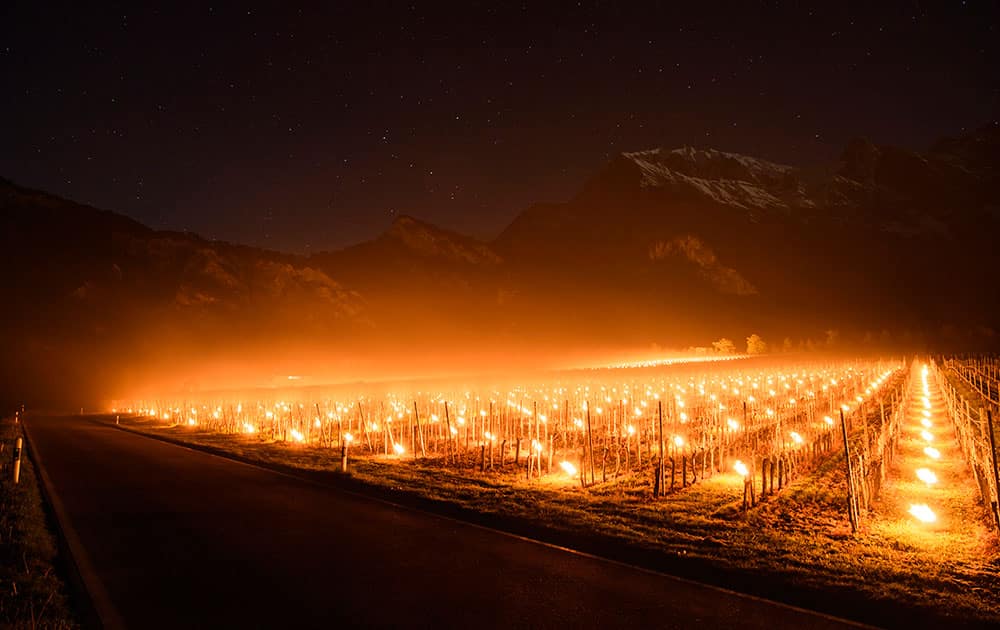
728	178
709	164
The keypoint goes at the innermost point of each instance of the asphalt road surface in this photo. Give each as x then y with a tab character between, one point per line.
176	538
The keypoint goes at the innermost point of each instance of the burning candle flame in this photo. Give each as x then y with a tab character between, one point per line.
922	513
927	476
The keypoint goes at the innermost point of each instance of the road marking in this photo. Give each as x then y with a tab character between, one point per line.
93	586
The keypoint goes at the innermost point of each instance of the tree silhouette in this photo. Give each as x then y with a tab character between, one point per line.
724	346
756	345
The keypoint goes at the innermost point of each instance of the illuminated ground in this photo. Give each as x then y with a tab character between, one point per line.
954	530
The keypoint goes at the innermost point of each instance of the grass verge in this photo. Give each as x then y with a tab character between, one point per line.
795	548
32	591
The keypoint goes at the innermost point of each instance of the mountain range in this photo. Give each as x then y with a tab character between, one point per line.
885	248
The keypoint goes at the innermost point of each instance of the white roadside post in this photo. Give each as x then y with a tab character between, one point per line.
17	461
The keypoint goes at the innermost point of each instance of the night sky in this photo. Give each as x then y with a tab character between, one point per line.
310	129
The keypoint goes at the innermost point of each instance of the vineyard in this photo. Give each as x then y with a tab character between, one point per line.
972	393
675	427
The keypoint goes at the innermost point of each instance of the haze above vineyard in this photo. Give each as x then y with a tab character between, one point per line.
885	249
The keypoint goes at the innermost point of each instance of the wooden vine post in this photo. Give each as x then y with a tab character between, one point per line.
364	428
492	435
340	430
659	466
322	424
538	439
419	431
850	476
996	471
448	437
583	462
590	441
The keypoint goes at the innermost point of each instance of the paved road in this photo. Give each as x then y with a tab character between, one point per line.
180	538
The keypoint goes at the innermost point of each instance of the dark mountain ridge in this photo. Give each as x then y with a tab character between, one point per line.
885	227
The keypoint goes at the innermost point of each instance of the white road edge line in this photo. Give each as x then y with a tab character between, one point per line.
105	609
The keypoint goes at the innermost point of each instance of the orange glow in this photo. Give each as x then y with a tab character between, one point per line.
568	468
